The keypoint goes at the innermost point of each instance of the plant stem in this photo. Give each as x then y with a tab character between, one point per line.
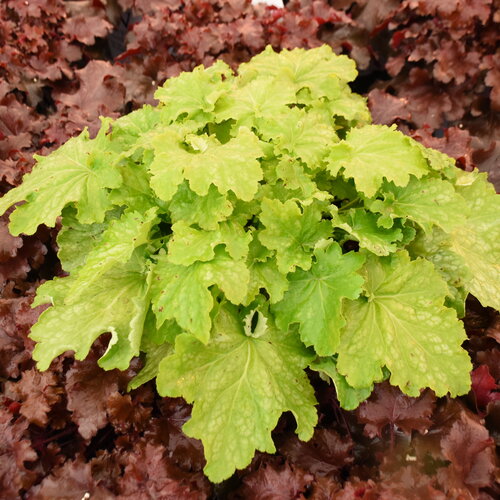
349	204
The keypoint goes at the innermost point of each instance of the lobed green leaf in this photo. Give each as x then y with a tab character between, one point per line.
240	385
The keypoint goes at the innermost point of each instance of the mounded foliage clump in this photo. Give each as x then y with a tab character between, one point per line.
252	226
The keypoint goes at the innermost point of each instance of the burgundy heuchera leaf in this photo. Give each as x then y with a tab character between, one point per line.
389	406
484	386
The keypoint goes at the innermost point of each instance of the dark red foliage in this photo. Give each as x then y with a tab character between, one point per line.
274	482
16	318
324	489
187	453
94	398
149	475
127	414
37	392
409	483
325	454
429	66
386	109
470	450
484	386
493	330
71	480
100	93
9	245
388	406
459	437
16	454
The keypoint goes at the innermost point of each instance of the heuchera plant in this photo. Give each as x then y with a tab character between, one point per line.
255	225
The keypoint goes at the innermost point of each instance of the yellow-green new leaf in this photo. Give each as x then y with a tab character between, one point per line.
373	153
80	171
291	233
189	245
261	99
129	129
240	385
181	292
232	166
167	167
194	94
294	176
318	70
300	134
266	275
206	211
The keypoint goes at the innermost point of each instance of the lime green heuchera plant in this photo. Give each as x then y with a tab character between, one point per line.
210	234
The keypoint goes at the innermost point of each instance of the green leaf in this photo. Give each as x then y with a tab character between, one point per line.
154	357
401	323
266	275
181	292
156	344
349	398
194	94
436	248
477	241
315	297
373	153
251	104
300	134
129	129
292	233
52	292
206	211
167	167
428	202
231	167
76	240
80	171
207	219
319	70
438	161
154	335
236	239
135	193
115	303
350	106
240	385
116	246
363	227
294	176
189	245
